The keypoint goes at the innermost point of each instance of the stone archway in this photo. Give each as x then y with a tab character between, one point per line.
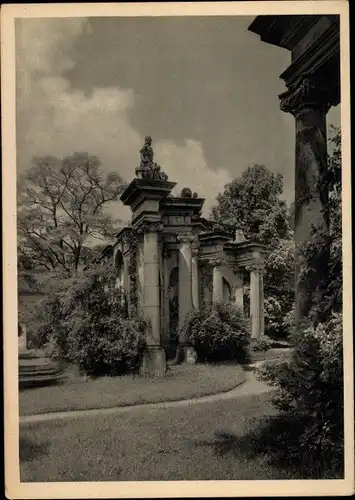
173	298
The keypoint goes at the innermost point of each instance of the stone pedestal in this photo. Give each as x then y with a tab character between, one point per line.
309	103
257	301
153	362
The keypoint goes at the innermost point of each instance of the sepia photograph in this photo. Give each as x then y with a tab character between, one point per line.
177	300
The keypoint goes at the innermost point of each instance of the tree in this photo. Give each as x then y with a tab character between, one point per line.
252	202
61	210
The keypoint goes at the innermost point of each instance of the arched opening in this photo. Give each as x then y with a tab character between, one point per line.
173	297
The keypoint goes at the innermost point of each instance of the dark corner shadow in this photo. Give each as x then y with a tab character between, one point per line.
30	450
272	440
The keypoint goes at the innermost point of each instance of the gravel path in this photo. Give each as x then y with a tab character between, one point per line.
251	386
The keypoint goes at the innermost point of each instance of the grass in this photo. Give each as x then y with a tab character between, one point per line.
198	442
181	382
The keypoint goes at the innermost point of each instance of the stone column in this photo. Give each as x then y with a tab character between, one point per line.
257	301
185	351
166	276
154	362
185	276
195	279
239	292
309	103
217	281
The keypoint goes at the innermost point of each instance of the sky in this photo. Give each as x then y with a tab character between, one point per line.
205	88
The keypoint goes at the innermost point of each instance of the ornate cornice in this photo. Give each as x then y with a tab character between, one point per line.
305	94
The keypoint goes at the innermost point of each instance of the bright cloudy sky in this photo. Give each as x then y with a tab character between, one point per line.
205	89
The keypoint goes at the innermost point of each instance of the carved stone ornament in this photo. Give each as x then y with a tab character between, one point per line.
195	251
150	227
305	93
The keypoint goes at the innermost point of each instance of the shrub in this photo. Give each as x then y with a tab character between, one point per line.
217	332
310	392
260	344
88	323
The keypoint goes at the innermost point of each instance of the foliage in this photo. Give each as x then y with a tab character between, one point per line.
86	321
217	333
260	344
252	202
61	210
310	392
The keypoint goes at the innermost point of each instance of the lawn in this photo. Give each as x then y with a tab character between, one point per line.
181	382
197	442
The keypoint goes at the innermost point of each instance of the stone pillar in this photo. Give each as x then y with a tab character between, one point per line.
154	362
217	283
309	103
195	279
185	351
185	276
257	301
166	276
239	292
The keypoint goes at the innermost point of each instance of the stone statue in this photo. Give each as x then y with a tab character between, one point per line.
147	153
149	170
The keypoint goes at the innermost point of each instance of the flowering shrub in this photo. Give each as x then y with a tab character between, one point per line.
260	344
310	392
88	323
217	333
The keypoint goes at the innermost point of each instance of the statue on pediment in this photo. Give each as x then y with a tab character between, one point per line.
147	153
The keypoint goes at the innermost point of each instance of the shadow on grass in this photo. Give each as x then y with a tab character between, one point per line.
273	441
30	451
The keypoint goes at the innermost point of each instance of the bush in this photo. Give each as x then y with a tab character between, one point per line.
217	332
310	392
88	323
260	344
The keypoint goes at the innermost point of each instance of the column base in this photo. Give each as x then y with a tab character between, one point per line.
153	362
186	354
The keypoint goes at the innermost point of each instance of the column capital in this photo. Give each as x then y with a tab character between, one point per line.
216	261
306	93
185	238
256	266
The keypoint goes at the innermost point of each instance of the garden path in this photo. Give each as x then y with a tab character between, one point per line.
250	387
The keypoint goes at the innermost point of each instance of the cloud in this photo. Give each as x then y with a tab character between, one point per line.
53	118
